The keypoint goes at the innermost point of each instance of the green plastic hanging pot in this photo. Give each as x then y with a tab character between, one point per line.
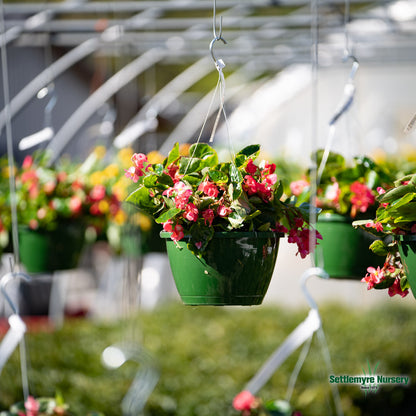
344	250
236	268
407	249
46	251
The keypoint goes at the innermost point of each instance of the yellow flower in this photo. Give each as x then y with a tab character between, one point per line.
184	149
143	221
155	157
124	156
120	217
97	178
6	171
111	171
119	189
103	206
100	151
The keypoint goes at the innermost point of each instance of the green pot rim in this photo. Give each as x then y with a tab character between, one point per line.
332	217
235	234
408	237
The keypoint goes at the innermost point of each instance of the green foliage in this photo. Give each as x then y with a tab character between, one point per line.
207	355
195	192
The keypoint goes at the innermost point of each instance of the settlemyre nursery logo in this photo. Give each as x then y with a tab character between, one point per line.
371	381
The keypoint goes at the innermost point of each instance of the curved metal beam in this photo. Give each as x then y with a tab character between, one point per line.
100	96
144	120
109	35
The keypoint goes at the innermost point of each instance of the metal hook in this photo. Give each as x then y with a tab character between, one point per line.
314	271
355	66
4	281
214	31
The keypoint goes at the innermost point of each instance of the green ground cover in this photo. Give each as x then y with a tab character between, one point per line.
206	355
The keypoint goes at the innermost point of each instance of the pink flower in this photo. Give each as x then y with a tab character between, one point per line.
280	228
333	192
251	168
297	187
373	277
269	168
191	212
244	401
177	233
167	226
223	211
198	245
49	187
208	216
380	190
27	162
97	193
75	204
378	225
264	191
208	188
362	198
31	406
132	174
413	229
182	198
33	224
139	159
395	289
250	185
271	179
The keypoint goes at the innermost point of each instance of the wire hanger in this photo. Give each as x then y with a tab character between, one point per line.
217	37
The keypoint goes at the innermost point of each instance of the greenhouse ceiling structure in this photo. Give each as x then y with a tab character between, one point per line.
263	38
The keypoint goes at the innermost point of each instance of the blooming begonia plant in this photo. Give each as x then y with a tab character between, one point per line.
42	406
395	216
196	195
348	189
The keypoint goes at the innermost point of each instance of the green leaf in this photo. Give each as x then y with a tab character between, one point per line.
141	198
193	179
173	155
200	234
251	151
189	165
150	181
169	214
379	247
218	176
205	153
165	179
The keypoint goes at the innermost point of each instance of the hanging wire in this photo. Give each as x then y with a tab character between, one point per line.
9	140
219	64
348	96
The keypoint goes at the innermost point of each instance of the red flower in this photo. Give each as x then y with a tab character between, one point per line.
27	162
223	211
75	204
297	187
32	406
362	197
250	185
208	215
251	168
97	193
244	401
373	277
208	188
191	212
395	289
177	233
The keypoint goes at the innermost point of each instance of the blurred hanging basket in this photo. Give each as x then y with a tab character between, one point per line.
344	251
44	251
235	269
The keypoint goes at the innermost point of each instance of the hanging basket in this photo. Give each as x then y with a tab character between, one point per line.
344	250
407	249
46	251
236	268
